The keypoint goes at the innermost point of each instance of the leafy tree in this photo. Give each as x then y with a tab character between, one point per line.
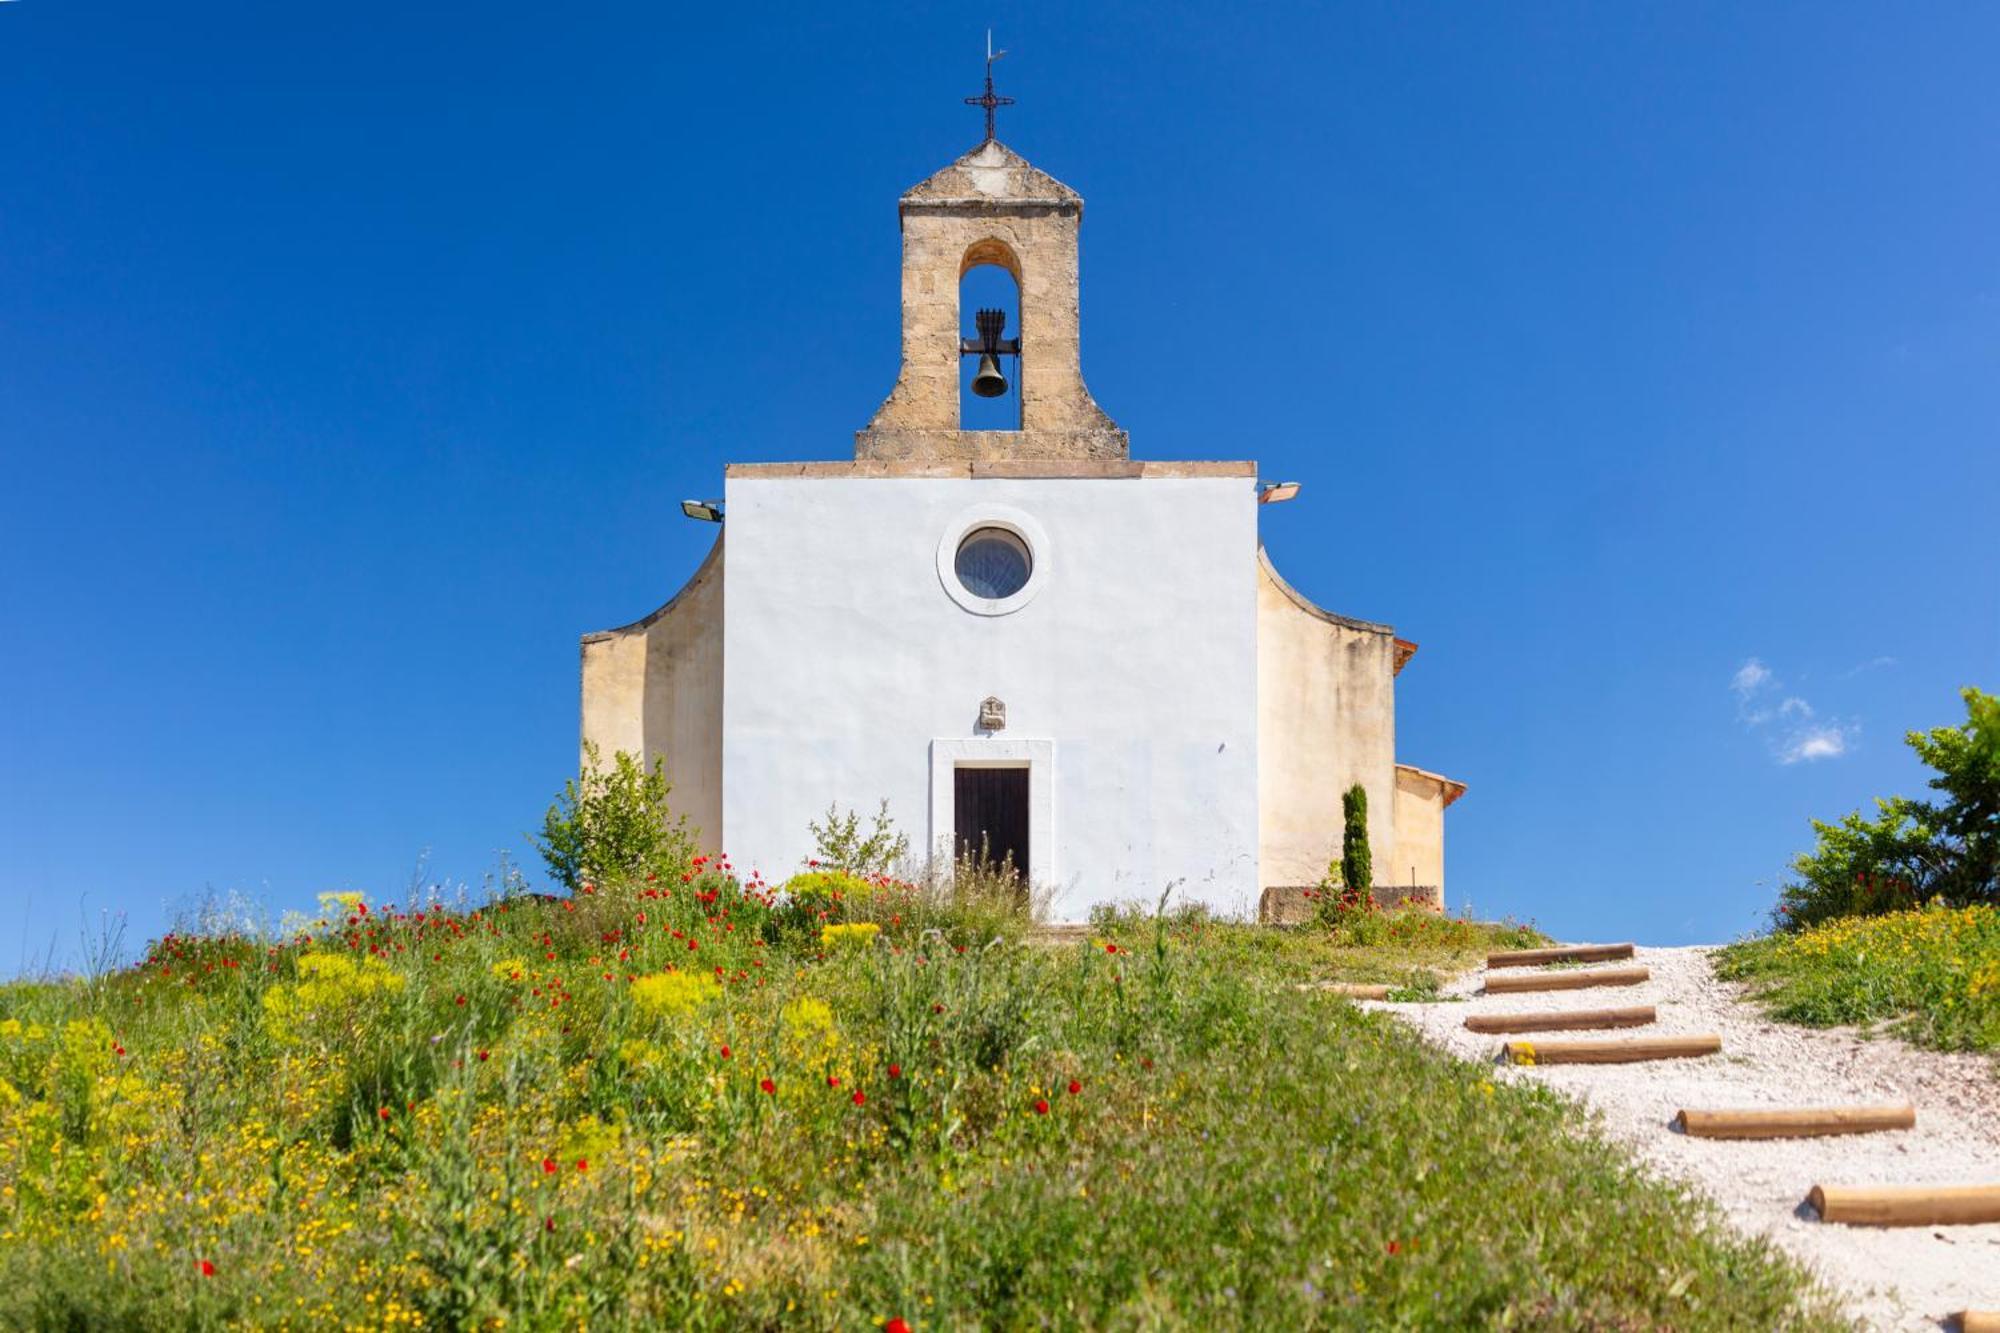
1862	866
615	825
1967	761
1912	851
842	846
1357	870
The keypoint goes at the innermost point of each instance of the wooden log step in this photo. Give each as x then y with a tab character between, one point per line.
1560	1020
1794	1122
1580	980
1906	1205
1978	1321
1353	990
1577	953
1615	1051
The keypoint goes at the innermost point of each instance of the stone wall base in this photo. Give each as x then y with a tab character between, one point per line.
1292	906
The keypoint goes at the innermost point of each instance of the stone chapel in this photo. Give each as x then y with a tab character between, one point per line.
1024	636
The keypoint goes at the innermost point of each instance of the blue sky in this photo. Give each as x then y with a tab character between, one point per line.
1639	362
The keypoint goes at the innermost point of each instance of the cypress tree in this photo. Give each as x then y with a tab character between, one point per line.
1356	868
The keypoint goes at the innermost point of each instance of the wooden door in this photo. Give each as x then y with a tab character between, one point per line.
990	811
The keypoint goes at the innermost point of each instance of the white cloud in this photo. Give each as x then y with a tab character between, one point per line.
1750	677
1873	664
1810	743
1790	725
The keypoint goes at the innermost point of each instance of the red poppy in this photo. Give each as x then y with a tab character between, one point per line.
860	1097
384	1113
204	1267
1111	948
1394	1248
583	1164
725	1052
768	1086
484	1054
1075	1087
896	1325
548	1166
1041	1106
833	1080
895	1071
461	999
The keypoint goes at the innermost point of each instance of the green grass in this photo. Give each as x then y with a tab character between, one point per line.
477	1118
1931	975
1412	950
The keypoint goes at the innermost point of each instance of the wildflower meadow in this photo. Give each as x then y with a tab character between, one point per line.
1931	974
708	1103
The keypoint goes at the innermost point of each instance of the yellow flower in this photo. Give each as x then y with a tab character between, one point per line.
662	994
329	983
858	934
807	1017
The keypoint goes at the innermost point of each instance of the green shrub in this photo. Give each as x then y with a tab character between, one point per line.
840	844
1913	852
1357	867
814	899
615	826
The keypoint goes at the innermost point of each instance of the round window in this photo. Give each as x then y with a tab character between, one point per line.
993	563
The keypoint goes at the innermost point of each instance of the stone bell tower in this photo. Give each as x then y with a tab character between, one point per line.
990	207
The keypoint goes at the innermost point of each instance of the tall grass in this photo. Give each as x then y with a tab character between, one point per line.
1932	974
656	1106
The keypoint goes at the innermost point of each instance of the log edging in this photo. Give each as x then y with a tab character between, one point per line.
1613	1051
1574	953
1562	1020
1906	1205
1580	980
1793	1122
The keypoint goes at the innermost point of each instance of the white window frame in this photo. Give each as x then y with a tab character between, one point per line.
1007	519
949	754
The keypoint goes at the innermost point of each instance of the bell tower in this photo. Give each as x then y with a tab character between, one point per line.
991	207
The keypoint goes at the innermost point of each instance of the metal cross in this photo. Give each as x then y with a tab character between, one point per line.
989	101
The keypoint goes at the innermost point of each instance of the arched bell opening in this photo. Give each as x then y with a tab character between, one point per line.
989	323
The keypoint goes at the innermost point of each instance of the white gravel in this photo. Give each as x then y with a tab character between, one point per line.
1894	1278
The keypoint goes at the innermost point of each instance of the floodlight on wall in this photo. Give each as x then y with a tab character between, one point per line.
708	511
1274	492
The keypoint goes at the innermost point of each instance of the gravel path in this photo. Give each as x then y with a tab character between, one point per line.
1895	1278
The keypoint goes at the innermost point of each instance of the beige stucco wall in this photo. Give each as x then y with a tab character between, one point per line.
1326	719
1419	857
654	688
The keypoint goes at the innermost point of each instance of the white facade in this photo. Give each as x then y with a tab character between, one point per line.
1177	716
854	670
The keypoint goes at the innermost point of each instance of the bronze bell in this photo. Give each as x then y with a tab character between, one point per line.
987	381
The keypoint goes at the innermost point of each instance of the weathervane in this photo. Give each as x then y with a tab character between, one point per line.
989	101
